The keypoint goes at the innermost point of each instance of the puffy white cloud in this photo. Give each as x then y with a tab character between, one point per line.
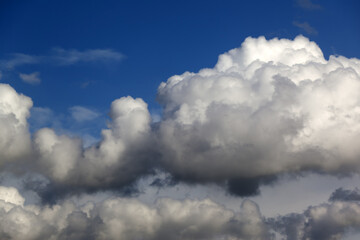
117	160
14	111
267	108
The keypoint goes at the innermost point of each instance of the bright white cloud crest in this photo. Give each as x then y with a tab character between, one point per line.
269	107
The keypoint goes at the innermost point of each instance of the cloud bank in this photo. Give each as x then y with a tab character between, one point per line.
267	108
128	218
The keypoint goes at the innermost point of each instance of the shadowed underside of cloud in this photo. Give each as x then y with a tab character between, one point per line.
322	222
130	219
267	108
127	218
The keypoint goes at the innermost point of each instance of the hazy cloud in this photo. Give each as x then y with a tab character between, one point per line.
305	26
308	5
73	56
32	78
60	56
81	114
18	59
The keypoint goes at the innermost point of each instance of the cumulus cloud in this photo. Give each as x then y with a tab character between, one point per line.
128	218
32	78
325	221
15	140
267	108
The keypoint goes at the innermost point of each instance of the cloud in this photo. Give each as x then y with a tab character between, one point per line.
32	78
308	5
15	140
267	109
322	222
81	114
60	56
73	56
128	218
18	59
305	26
341	194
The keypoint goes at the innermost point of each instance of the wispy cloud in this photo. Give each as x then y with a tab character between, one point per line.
81	114
17	59
73	56
305	26
60	56
32	78
308	5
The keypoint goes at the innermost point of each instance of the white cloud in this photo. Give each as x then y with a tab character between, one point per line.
32	78
81	114
267	108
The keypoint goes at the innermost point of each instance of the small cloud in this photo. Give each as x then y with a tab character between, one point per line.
308	5
32	78
73	56
305	26
341	194
87	84
81	114
18	59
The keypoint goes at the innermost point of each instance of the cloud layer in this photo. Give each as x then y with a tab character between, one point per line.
127	218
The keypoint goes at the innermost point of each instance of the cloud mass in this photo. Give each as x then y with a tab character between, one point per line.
266	109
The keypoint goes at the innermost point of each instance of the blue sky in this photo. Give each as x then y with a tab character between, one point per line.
157	39
259	142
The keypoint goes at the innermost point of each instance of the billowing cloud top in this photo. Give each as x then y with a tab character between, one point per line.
266	108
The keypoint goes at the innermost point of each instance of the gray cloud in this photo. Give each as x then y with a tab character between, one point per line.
305	26
128	218
32	78
322	222
341	194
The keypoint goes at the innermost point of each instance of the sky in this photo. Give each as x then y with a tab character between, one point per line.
179	119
